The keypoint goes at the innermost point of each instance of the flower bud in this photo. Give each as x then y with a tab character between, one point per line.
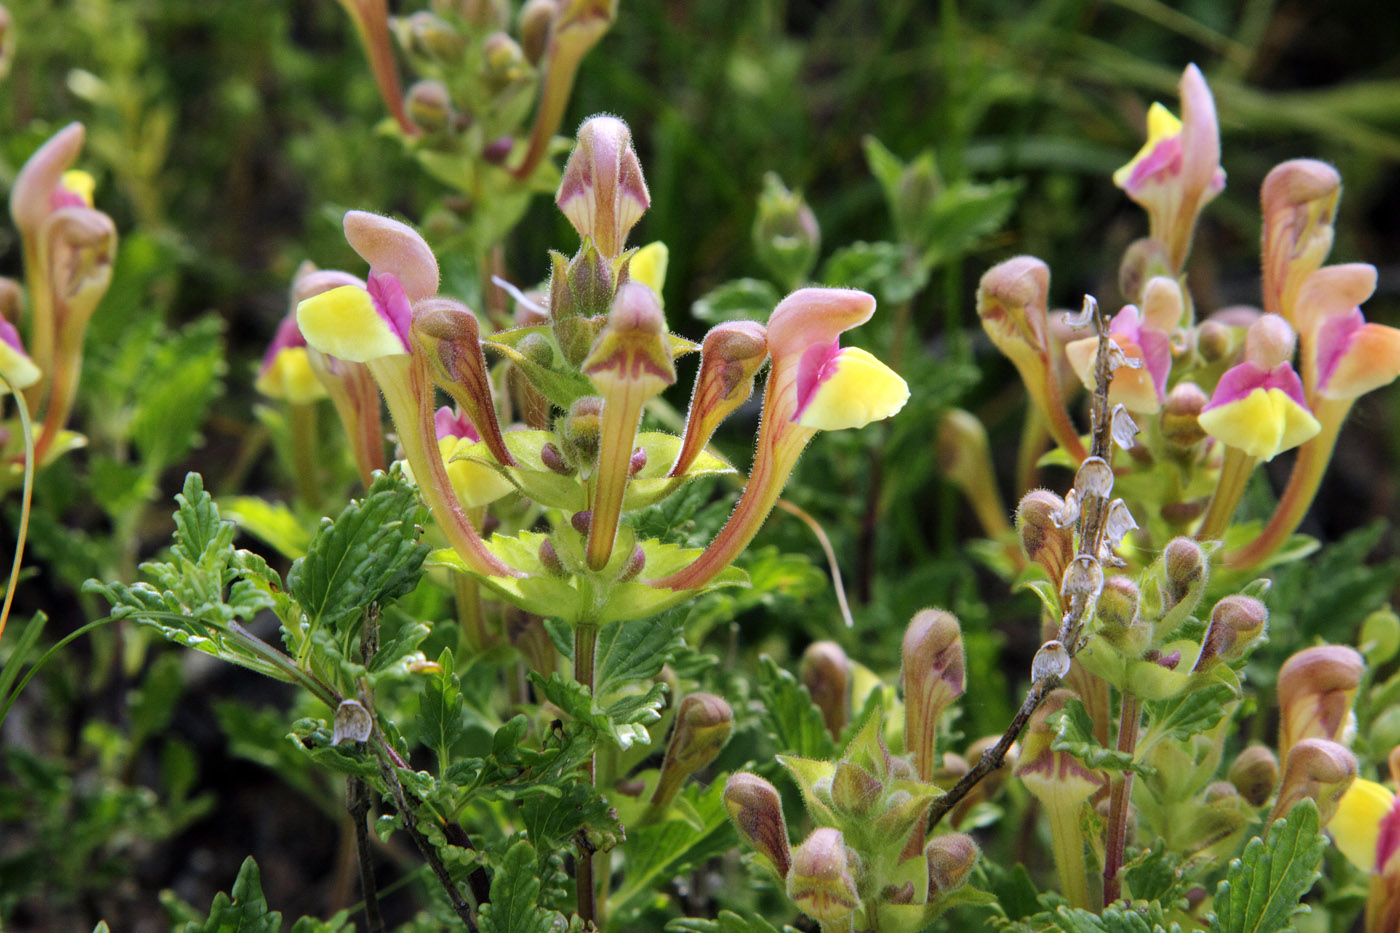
821	882
636	562
1269	342
1299	202
581	521
549	557
757	812
786	238
1043	539
1318	769
826	673
703	724
1118	615
1143	260
1184	402
429	105
536	17
730	357
932	674
1214	341
602	192
637	462
1316	689
1234	623
582	429
964	456
554	461
451	336
430	36
854	790
1255	774
1380	636
1011	300
1184	574
581	291
950	858
505	62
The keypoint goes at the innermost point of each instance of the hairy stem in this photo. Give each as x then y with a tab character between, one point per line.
585	654
1116	834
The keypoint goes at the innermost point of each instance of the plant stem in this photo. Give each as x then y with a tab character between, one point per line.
1234	476
27	430
1116	834
585	654
302	416
357	802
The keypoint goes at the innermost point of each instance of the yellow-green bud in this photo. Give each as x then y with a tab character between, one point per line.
786	237
1144	260
703	724
950	858
536	18
429	105
932	673
1380	636
821	882
1255	774
582	428
1185	572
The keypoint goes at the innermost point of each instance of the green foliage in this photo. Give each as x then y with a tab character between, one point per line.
515	893
1263	886
1074	734
792	719
370	554
246	911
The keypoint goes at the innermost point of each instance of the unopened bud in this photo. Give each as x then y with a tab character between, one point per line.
536	17
1011	301
1255	774
636	562
1043	540
602	192
583	428
757	812
1184	575
581	521
431	37
429	105
554	461
1318	769
10	298
1118	608
826	673
637	461
1183	406
581	291
1299	202
730	356
1380	636
505	62
785	234
1214	341
932	672
1234	623
821	882
854	790
951	858
537	349
1316	689
1269	342
1144	260
703	724
549	557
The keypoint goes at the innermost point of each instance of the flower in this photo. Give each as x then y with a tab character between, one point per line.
1177	171
373	325
730	357
1299	202
1142	335
814	384
1366	828
475	483
603	192
16	367
1259	406
286	371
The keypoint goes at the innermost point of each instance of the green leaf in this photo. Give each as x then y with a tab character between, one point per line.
635	650
1113	920
369	554
180	376
727	922
1192	713
623	723
440	708
515	896
862	265
1074	733
793	720
245	912
737	300
1263	887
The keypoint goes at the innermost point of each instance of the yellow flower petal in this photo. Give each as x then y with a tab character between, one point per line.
1161	124
1356	828
1262	424
291	377
860	390
344	323
80	183
648	265
476	484
17	368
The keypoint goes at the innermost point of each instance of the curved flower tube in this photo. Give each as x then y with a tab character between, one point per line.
1299	202
372	325
814	385
730	357
371	19
1177	171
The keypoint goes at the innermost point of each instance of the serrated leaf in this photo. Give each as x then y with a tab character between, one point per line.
634	650
515	896
245	912
1263	887
623	722
1113	920
793	720
1190	714
1074	733
671	848
180	376
369	554
440	708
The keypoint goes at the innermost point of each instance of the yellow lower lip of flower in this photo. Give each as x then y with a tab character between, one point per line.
80	183
19	370
1263	424
291	377
1356	828
344	323
1162	124
475	483
860	390
648	266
